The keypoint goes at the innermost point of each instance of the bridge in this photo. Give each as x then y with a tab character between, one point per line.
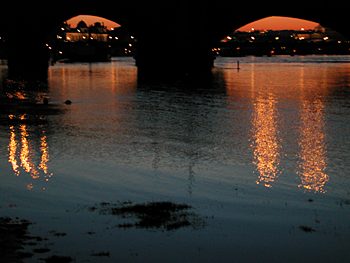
174	36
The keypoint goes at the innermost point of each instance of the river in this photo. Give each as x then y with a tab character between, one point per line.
260	153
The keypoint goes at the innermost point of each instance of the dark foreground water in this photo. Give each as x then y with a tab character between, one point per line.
261	154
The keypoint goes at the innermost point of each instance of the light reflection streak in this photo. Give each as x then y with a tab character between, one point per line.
22	155
272	92
44	154
265	143
312	147
312	155
265	140
12	151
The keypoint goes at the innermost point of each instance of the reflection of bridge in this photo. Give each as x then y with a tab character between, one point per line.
175	36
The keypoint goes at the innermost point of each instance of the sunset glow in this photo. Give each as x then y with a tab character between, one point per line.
90	20
279	23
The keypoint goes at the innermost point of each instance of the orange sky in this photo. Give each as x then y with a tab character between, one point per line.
272	22
89	20
279	23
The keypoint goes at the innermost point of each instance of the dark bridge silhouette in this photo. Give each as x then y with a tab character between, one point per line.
174	36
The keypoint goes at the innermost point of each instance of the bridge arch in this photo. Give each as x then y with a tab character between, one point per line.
280	35
87	38
176	35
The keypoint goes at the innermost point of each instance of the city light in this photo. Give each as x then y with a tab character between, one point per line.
306	42
111	40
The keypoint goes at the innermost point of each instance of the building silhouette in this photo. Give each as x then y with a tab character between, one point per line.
283	42
90	43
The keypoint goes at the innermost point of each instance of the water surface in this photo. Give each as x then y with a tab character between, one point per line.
257	152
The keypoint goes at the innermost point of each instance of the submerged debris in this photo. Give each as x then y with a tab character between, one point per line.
160	215
13	234
307	229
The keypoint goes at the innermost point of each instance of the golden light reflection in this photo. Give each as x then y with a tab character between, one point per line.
26	163
312	164
22	155
12	151
44	154
312	147
312	155
265	140
289	107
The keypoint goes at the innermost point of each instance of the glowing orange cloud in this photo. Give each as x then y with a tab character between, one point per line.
279	23
90	20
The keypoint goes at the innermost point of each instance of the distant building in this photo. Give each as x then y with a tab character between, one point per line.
91	43
283	42
96	32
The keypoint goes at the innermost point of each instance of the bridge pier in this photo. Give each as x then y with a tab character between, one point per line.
28	58
177	65
159	61
175	43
